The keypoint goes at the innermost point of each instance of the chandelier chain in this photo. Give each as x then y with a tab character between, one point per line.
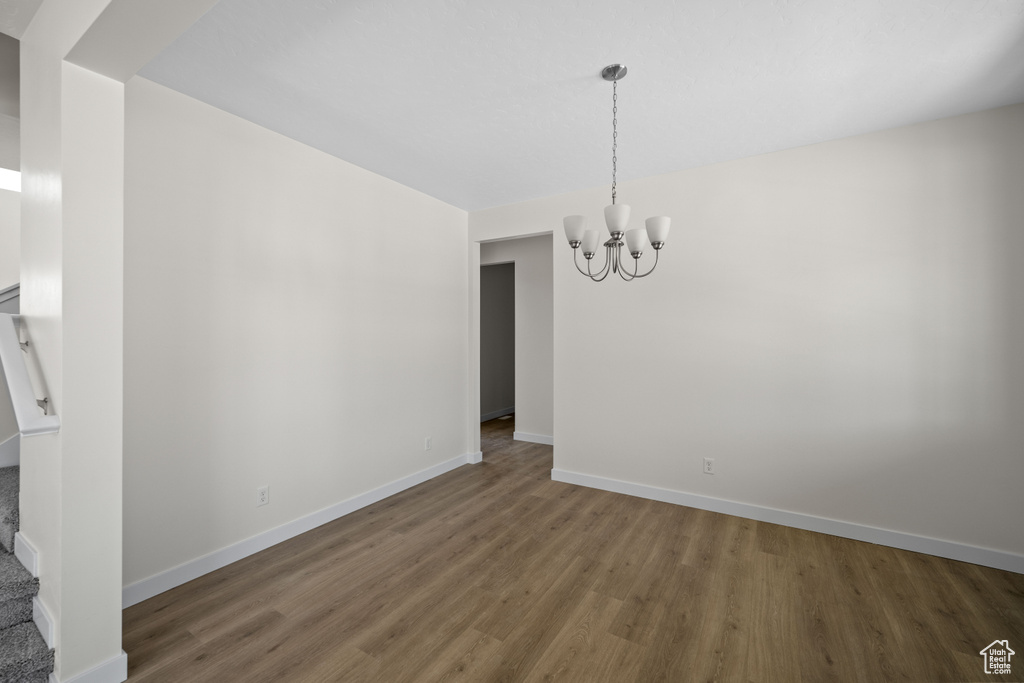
614	136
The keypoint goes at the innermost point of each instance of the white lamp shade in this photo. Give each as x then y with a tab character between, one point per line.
636	240
574	227
616	216
657	228
590	239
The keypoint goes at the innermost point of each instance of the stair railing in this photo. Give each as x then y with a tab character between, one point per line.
32	414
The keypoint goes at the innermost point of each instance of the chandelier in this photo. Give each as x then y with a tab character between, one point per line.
616	217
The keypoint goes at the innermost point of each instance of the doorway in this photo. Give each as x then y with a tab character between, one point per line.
528	264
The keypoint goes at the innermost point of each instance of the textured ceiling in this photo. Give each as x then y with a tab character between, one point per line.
488	102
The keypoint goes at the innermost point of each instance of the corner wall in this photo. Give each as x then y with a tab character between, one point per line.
291	320
837	325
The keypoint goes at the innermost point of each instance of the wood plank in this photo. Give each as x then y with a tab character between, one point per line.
727	616
774	616
583	638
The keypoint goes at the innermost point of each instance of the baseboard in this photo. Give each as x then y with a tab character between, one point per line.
114	670
495	414
183	573
475	458
893	539
29	558
534	438
41	618
10	451
26	554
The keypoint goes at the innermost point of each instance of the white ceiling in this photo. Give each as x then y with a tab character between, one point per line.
488	102
15	16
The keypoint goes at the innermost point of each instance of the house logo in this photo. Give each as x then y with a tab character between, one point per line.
997	657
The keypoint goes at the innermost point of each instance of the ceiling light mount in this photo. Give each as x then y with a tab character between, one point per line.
614	72
616	216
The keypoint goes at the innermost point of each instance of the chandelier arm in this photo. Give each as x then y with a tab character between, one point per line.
612	261
602	273
604	270
576	263
656	252
623	271
636	268
644	274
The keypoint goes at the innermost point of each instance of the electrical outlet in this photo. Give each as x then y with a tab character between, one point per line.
427	444
709	465
262	495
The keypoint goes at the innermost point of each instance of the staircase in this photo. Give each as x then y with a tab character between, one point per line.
24	657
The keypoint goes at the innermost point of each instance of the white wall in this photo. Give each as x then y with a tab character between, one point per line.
10	252
497	340
838	325
10	447
10	256
10	238
290	319
534	330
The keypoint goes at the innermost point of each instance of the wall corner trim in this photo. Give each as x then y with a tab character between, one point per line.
533	438
858	532
114	670
183	573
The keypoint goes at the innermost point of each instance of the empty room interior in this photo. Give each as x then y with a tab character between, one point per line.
349	340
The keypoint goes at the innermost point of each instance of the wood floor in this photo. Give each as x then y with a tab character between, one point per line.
493	572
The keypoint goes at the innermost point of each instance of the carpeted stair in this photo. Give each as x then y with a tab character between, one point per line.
9	479
24	657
